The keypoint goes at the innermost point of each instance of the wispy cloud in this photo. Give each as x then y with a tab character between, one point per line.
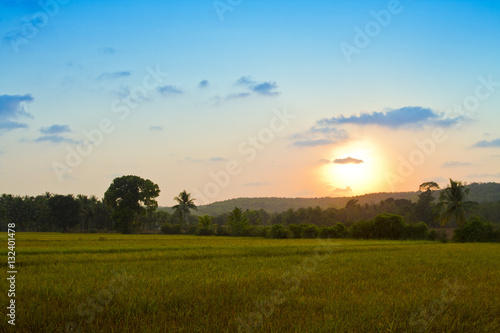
113	75
312	143
55	129
217	159
267	88
257	184
410	116
484	175
12	107
317	136
203	84
348	160
169	90
56	139
324	161
107	50
238	95
453	164
488	144
156	128
338	191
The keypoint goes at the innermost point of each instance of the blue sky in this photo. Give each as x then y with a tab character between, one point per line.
248	98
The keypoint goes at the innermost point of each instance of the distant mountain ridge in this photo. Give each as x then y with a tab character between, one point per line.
480	192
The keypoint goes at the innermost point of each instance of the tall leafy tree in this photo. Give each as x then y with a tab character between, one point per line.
130	196
184	205
237	222
453	204
64	210
424	208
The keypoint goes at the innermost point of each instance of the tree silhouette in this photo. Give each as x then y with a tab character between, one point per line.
184	206
452	204
130	196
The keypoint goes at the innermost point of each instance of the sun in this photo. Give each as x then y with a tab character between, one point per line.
355	169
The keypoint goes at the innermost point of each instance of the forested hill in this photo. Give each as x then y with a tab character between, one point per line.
485	192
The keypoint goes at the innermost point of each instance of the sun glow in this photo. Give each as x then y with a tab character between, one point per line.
356	169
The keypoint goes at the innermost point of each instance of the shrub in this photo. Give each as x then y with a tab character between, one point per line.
362	229
432	235
279	231
296	229
328	232
341	230
388	226
171	229
417	231
310	231
221	230
205	231
475	230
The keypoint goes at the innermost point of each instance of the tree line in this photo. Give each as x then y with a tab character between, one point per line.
129	206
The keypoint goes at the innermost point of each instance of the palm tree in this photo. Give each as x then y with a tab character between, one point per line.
185	203
452	203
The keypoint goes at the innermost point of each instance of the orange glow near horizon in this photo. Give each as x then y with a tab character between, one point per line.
366	177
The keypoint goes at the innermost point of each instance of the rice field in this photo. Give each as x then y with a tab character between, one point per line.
164	283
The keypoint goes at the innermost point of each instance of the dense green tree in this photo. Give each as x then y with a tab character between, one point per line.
130	196
237	222
453	204
424	209
183	208
64	210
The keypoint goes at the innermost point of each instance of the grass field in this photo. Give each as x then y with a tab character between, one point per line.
160	283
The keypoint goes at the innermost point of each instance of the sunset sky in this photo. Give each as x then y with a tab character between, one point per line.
248	98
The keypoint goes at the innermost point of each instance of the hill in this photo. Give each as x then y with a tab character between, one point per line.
480	192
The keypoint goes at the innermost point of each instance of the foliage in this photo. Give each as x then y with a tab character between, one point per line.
279	231
171	229
476	230
388	226
237	223
64	209
416	231
453	204
183	208
310	231
130	196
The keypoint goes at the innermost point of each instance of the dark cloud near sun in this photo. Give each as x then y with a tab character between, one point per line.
12	108
410	116
348	160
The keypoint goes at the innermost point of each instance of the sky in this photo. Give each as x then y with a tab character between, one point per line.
248	98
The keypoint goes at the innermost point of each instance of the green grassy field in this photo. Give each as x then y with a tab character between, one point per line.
160	283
